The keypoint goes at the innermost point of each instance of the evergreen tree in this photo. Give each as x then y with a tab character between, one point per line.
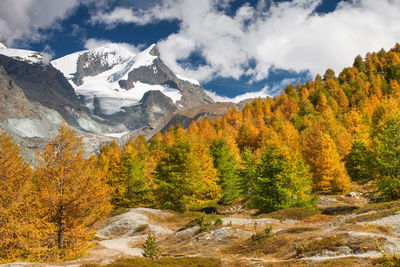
135	183
150	247
247	173
282	181
329	173
186	178
226	165
387	161
358	162
109	162
359	63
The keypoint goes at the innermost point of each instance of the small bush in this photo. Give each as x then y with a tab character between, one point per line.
208	221
258	236
218	222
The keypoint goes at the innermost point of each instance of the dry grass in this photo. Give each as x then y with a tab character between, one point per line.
375	211
316	246
366	228
340	262
319	218
298	242
290	214
394	205
176	221
162	262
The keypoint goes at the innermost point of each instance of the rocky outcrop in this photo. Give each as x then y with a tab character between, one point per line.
159	73
90	64
43	84
30	123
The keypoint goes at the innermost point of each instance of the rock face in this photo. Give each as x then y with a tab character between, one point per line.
45	85
159	73
89	65
29	122
42	84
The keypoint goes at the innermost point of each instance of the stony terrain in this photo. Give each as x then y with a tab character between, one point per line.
345	230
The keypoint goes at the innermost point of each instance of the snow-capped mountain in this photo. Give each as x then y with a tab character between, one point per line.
112	77
109	90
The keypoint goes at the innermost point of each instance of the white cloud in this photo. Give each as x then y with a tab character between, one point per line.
21	19
217	98
264	92
287	35
93	43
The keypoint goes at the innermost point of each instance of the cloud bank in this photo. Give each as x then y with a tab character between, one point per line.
283	35
93	43
20	20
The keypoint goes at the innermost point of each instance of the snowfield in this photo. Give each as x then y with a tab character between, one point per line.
25	55
104	87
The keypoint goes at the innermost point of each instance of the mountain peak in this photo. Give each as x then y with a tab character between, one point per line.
154	50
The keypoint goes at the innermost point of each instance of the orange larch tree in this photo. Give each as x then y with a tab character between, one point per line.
72	191
22	231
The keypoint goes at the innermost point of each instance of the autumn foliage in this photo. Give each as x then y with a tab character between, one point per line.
72	192
273	153
49	213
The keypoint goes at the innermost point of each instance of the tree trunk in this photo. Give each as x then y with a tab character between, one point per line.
60	231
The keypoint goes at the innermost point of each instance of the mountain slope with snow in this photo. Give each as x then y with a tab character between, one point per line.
103	77
25	55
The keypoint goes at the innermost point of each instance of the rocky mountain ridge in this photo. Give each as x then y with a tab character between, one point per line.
137	94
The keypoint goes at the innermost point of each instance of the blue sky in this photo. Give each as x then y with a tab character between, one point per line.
232	47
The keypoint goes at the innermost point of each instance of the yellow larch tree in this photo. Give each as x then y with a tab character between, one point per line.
72	191
22	231
329	173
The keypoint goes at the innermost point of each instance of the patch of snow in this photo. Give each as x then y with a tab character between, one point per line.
68	64
25	55
112	99
144	58
183	78
116	135
2	46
